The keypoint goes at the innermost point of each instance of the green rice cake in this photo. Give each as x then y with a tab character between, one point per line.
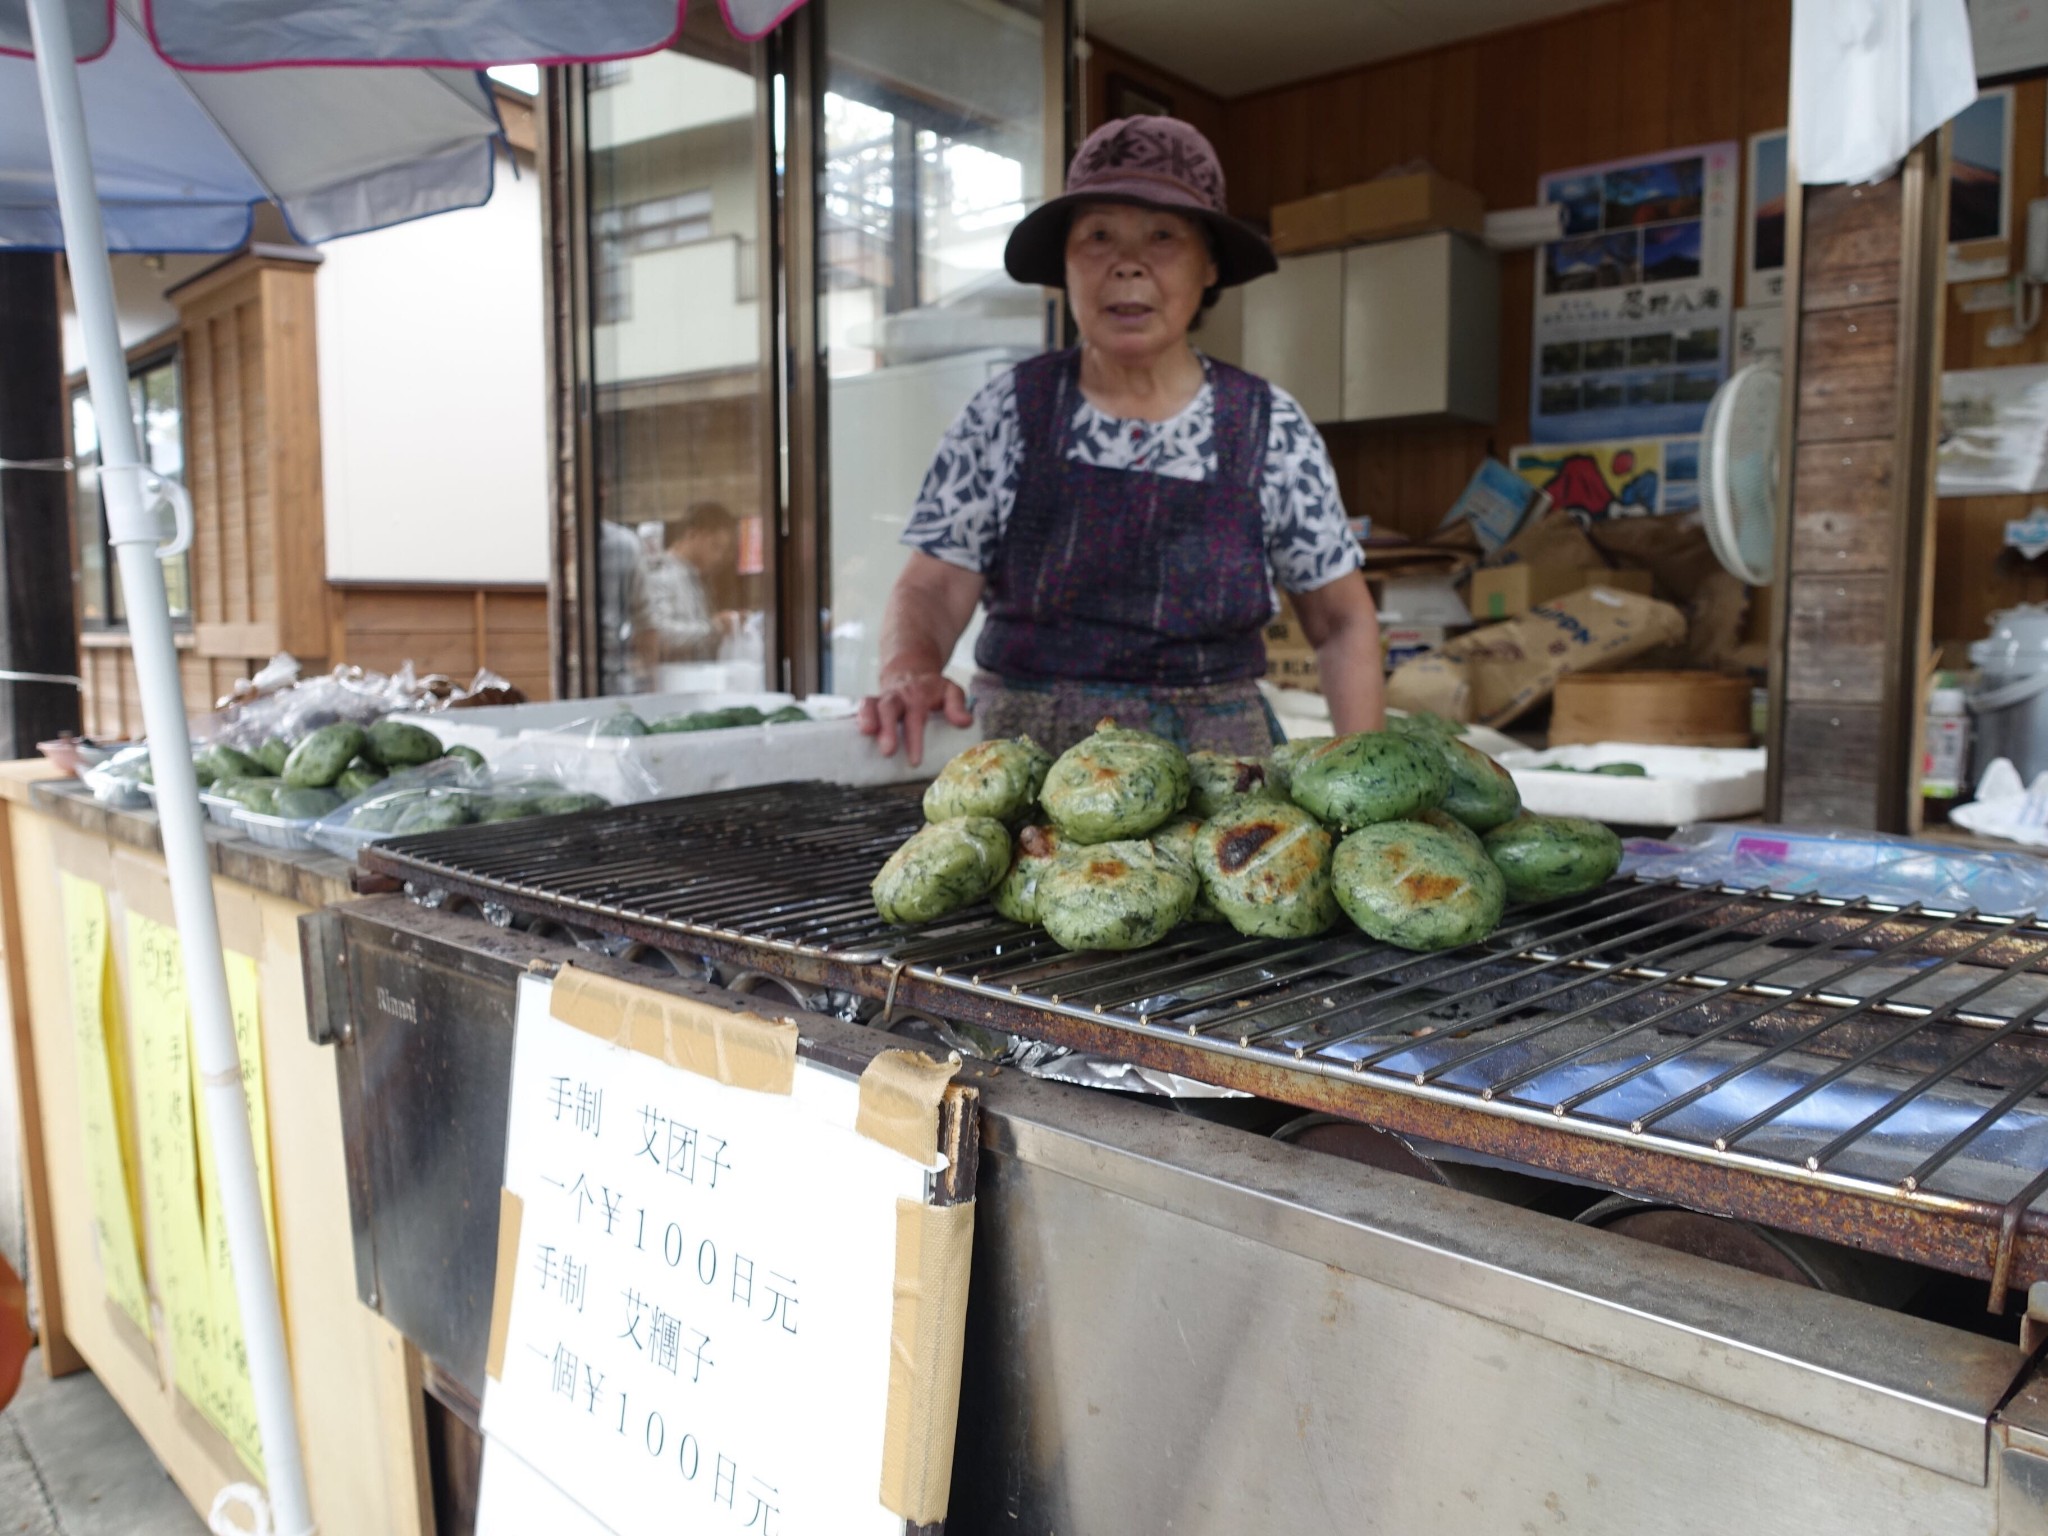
1482	793
1355	781
1416	886
1116	784
947	865
1114	895
1177	837
999	779
1547	857
1266	867
1280	766
1443	821
1017	897
1216	781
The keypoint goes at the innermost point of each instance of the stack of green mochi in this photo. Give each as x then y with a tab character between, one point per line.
1416	837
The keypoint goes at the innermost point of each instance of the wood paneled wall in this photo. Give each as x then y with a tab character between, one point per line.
1190	102
1974	574
451	630
112	703
1496	113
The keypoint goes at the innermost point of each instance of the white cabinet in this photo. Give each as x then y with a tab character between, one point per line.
1293	324
1398	330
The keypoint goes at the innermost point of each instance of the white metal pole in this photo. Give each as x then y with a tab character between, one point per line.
135	534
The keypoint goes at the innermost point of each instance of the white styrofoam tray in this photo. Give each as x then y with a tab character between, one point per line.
554	738
1683	784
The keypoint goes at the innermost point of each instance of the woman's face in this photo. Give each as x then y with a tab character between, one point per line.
1135	278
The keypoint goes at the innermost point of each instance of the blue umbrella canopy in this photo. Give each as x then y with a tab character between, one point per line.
181	158
258	34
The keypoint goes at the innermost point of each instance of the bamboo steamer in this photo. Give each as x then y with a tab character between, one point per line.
1673	709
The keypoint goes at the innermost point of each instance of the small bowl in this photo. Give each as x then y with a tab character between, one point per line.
75	754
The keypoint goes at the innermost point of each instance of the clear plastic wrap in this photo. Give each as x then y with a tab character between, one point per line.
121	781
450	792
1876	865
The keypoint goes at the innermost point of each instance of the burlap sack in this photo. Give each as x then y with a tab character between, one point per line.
1496	673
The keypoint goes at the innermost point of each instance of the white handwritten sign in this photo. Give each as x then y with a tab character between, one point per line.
697	1332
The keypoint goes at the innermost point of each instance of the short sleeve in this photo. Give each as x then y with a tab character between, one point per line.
1309	543
968	491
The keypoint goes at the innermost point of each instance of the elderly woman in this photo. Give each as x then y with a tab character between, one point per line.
1125	508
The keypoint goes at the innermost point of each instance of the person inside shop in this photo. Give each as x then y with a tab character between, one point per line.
1124	509
677	619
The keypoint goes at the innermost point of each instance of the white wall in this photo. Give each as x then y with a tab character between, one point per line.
433	395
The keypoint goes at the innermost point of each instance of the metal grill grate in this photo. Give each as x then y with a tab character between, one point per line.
1740	1051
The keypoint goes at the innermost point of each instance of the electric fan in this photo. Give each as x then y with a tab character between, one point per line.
1739	472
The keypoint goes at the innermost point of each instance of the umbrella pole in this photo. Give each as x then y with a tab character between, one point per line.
133	530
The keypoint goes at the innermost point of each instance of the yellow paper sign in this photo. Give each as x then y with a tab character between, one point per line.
114	1213
170	1167
230	1401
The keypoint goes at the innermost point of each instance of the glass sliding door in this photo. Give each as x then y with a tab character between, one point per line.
679	395
932	124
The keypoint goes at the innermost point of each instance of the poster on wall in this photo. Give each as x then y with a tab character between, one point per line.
1633	305
1630	477
1763	235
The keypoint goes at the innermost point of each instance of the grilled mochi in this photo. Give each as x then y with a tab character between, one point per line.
1114	895
1547	857
1443	821
1017	897
945	866
1280	767
999	779
1177	837
1482	793
1115	784
1216	781
1266	868
1417	886
1374	776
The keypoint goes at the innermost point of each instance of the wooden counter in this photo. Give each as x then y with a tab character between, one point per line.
357	1382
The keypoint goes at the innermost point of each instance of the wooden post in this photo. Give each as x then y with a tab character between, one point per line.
1852	603
38	629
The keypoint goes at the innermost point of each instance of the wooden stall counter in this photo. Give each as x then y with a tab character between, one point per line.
127	1256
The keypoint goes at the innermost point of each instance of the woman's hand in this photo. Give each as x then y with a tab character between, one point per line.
906	702
927	612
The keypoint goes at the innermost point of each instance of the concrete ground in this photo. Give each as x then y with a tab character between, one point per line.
72	1465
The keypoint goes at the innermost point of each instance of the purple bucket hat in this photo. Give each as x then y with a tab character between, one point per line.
1154	162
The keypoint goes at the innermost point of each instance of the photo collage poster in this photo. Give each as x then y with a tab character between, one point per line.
1635	304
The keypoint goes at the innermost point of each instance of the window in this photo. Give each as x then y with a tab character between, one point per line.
675	169
633	229
931	149
612	72
156	398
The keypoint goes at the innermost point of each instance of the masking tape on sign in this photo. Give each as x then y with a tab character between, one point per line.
511	1213
899	1102
927	1336
737	1049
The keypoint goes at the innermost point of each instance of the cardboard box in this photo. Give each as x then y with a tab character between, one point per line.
1291	660
1410	205
1385	209
1509	591
1308	224
1404	642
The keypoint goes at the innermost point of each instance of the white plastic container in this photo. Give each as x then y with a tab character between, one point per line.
287	832
628	768
1946	753
1682	783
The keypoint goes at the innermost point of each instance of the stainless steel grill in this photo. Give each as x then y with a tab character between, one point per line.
1860	1072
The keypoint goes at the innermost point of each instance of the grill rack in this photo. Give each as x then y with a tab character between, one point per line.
1866	1073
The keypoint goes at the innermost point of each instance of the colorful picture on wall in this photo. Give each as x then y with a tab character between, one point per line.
1978	195
1763	270
1633	313
1597	479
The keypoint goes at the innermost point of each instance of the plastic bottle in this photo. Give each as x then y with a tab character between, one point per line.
1944	758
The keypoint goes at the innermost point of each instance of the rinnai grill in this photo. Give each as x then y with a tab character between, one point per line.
1863	1073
